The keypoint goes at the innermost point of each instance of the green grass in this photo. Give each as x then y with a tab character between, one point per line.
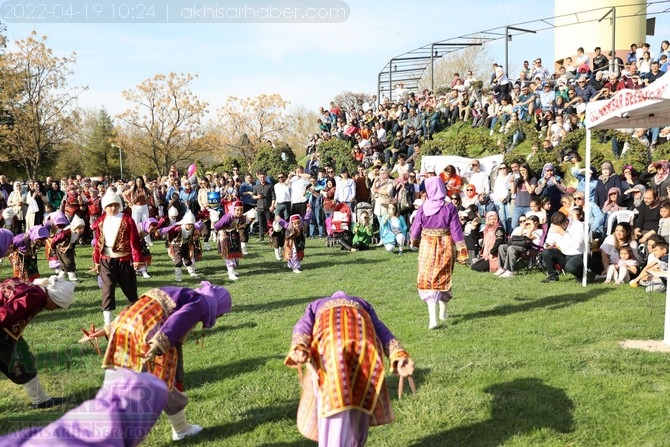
518	363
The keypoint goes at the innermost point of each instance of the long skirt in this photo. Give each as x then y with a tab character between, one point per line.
436	265
129	341
347	373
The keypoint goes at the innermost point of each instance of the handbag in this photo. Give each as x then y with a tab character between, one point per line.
32	206
521	241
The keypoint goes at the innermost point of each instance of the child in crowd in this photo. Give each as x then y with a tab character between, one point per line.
664	221
182	239
536	210
231	229
658	250
623	270
294	239
63	245
362	233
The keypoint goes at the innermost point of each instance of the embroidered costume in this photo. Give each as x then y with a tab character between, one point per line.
232	237
183	245
294	239
344	390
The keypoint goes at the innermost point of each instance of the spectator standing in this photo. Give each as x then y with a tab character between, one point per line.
264	195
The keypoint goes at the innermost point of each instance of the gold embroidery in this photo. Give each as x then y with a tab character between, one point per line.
301	339
162	341
436	232
339	302
392	346
163	299
122	243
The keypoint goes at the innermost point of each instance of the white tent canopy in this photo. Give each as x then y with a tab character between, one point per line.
649	107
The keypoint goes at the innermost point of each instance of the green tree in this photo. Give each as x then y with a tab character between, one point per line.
273	159
337	153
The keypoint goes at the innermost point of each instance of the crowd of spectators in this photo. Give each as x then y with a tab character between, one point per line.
385	139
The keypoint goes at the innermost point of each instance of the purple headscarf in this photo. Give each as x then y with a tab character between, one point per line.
147	223
436	192
219	301
38	232
59	219
6	237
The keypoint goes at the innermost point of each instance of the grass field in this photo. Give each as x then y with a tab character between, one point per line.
518	363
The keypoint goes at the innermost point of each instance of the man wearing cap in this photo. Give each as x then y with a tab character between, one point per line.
20	302
147	335
117	253
182	240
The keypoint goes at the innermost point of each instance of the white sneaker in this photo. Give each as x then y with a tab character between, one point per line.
145	275
245	251
278	257
500	271
507	274
296	271
232	277
194	430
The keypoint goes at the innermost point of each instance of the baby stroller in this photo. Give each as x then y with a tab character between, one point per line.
338	224
366	207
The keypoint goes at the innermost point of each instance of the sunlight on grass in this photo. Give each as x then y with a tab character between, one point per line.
518	363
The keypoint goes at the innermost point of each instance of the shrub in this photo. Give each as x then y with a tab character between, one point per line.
337	153
274	160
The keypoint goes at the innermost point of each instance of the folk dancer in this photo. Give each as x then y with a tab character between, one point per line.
20	302
231	229
183	244
343	342
117	254
437	226
147	336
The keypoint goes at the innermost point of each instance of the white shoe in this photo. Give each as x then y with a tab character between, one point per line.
507	274
72	276
296	271
500	271
207	247
194	430
177	274
232	277
145	274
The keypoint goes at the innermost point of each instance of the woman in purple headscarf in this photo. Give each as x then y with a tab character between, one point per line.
147	336
437	226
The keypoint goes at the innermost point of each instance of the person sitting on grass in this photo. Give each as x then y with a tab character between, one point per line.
393	230
362	233
645	278
624	269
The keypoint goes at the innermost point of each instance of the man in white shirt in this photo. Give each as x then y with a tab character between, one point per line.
564	247
299	183
381	133
476	177
283	197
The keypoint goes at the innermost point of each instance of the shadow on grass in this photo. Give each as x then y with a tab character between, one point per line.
550	302
228	328
518	407
251	419
197	378
308	265
274	305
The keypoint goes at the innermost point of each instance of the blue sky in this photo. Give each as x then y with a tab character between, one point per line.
307	63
